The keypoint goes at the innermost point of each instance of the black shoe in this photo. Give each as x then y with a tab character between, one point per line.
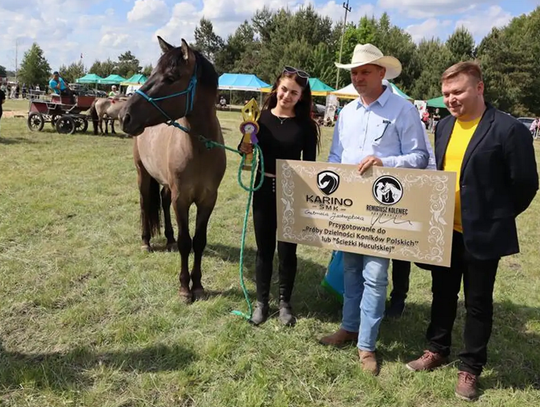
260	314
286	316
395	310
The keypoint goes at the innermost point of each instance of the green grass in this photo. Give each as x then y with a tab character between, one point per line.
87	319
15	105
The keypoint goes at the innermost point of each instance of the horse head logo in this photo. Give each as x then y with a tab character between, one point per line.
387	190
328	182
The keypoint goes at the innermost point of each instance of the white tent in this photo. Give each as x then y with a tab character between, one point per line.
348	92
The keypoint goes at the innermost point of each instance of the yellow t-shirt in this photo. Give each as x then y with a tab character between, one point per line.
453	159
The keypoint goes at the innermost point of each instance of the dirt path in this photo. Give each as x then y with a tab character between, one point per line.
14	113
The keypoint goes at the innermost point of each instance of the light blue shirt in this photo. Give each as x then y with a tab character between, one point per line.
53	84
388	128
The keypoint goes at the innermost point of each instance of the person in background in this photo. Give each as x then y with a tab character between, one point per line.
535	126
58	86
493	156
2	100
114	93
425	118
287	132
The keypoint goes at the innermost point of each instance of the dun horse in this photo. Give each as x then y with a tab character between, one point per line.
105	109
182	88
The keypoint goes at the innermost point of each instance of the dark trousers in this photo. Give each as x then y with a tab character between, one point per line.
265	222
478	282
401	271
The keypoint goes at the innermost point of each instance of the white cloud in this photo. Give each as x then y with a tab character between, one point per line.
336	12
149	11
432	8
428	29
119	41
480	24
184	18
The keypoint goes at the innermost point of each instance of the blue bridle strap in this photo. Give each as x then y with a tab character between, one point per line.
190	98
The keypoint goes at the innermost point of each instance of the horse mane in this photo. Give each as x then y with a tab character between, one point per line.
206	73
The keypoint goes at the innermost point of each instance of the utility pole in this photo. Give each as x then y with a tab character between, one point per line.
16	61
347	10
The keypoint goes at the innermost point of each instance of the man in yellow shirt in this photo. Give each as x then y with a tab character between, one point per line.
493	156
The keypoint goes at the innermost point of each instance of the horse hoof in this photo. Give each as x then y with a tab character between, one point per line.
147	248
172	247
199	294
186	296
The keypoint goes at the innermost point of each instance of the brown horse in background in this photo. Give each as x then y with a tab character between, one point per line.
105	109
183	86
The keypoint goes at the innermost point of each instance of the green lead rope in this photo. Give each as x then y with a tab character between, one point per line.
257	156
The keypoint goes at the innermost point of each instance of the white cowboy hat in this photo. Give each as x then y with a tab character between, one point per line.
366	54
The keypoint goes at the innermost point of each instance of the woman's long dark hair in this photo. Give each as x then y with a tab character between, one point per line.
302	109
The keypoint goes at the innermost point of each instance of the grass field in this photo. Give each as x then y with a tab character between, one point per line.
87	319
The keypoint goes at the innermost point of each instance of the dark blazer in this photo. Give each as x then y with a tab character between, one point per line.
498	181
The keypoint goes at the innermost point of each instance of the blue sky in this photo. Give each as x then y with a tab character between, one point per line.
99	29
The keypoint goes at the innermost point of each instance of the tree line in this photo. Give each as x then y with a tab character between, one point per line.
509	56
35	69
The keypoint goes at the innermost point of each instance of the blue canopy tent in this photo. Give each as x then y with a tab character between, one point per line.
90	78
112	79
242	82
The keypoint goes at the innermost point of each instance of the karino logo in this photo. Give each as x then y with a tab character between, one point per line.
387	190
328	182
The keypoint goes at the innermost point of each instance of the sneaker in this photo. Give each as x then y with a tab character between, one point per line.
340	338
428	361
369	362
395	309
467	386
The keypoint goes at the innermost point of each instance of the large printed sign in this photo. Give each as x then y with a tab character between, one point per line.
398	213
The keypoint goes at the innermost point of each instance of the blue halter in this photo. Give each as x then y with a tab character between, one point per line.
190	97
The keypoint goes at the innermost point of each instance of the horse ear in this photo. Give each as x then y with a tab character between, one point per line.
185	50
164	45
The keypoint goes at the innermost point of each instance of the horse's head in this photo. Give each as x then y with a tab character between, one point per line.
172	90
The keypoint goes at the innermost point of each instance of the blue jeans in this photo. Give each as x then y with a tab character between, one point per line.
365	281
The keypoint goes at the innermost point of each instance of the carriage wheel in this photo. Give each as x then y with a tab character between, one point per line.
65	125
35	121
54	118
81	124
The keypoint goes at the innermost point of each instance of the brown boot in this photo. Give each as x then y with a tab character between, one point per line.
428	361
340	338
368	360
467	386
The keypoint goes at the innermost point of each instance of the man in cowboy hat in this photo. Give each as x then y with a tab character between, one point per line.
379	128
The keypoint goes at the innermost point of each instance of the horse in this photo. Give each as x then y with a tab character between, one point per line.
168	117
105	109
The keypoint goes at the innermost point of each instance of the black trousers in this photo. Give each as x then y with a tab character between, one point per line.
478	283
401	271
265	222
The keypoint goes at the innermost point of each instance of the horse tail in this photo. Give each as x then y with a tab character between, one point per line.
151	208
94	115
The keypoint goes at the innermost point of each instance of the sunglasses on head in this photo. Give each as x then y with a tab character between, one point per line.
298	72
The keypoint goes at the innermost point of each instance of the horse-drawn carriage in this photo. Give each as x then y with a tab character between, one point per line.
64	115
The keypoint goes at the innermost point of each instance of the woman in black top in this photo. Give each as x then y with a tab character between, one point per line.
287	131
